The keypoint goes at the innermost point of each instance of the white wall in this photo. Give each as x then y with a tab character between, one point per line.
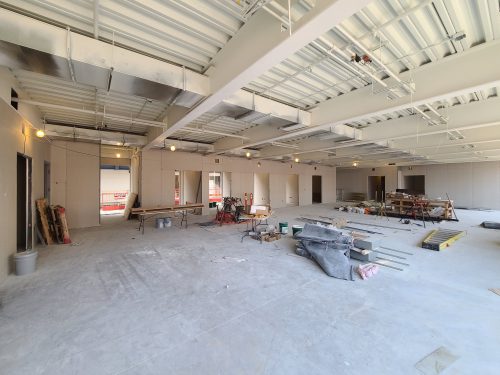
355	180
471	185
158	168
13	141
114	180
226	184
75	184
261	188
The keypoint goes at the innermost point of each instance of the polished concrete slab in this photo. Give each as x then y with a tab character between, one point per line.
198	301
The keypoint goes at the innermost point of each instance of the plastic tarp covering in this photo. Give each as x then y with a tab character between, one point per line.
328	247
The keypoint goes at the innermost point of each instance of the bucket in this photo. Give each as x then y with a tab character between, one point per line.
296	229
167	222
25	262
284	228
160	223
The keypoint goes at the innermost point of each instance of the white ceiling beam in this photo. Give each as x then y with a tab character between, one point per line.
242	60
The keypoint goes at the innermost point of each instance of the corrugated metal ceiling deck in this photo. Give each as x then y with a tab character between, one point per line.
186	32
47	89
403	34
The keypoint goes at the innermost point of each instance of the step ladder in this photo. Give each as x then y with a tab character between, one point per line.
439	239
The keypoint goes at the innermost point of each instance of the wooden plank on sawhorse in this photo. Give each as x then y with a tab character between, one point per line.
440	239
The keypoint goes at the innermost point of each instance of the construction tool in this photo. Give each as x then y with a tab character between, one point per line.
439	239
452	207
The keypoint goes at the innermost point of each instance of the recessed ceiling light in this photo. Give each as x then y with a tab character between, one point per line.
297	160
248	154
40	133
172	148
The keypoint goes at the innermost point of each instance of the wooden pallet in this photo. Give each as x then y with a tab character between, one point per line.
41	205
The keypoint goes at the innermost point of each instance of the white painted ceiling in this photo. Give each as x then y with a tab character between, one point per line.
400	35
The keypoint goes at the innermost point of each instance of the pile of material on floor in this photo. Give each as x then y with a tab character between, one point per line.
328	247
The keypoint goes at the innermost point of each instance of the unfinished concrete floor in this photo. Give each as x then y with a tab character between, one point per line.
198	301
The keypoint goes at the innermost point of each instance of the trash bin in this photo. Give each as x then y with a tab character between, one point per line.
160	224
25	262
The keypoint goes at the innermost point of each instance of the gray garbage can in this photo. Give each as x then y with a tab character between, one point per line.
25	262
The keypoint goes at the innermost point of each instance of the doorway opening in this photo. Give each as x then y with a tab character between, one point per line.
376	188
191	187
215	187
177	188
414	185
292	190
115	188
317	192
46	181
261	189
24	214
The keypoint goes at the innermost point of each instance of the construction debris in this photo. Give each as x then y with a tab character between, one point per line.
328	247
367	270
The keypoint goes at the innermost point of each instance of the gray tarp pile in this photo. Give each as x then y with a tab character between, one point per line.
328	247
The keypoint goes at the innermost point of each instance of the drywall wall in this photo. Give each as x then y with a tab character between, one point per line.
470	185
355	180
158	166
13	141
261	188
75	184
226	184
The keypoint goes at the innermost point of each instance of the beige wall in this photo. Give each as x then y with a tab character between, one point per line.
471	185
292	190
158	166
75	181
12	141
356	180
261	188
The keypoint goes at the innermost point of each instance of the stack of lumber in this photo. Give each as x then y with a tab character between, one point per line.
53	223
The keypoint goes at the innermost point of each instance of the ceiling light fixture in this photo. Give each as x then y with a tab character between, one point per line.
248	154
40	133
355	164
118	155
296	160
172	148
